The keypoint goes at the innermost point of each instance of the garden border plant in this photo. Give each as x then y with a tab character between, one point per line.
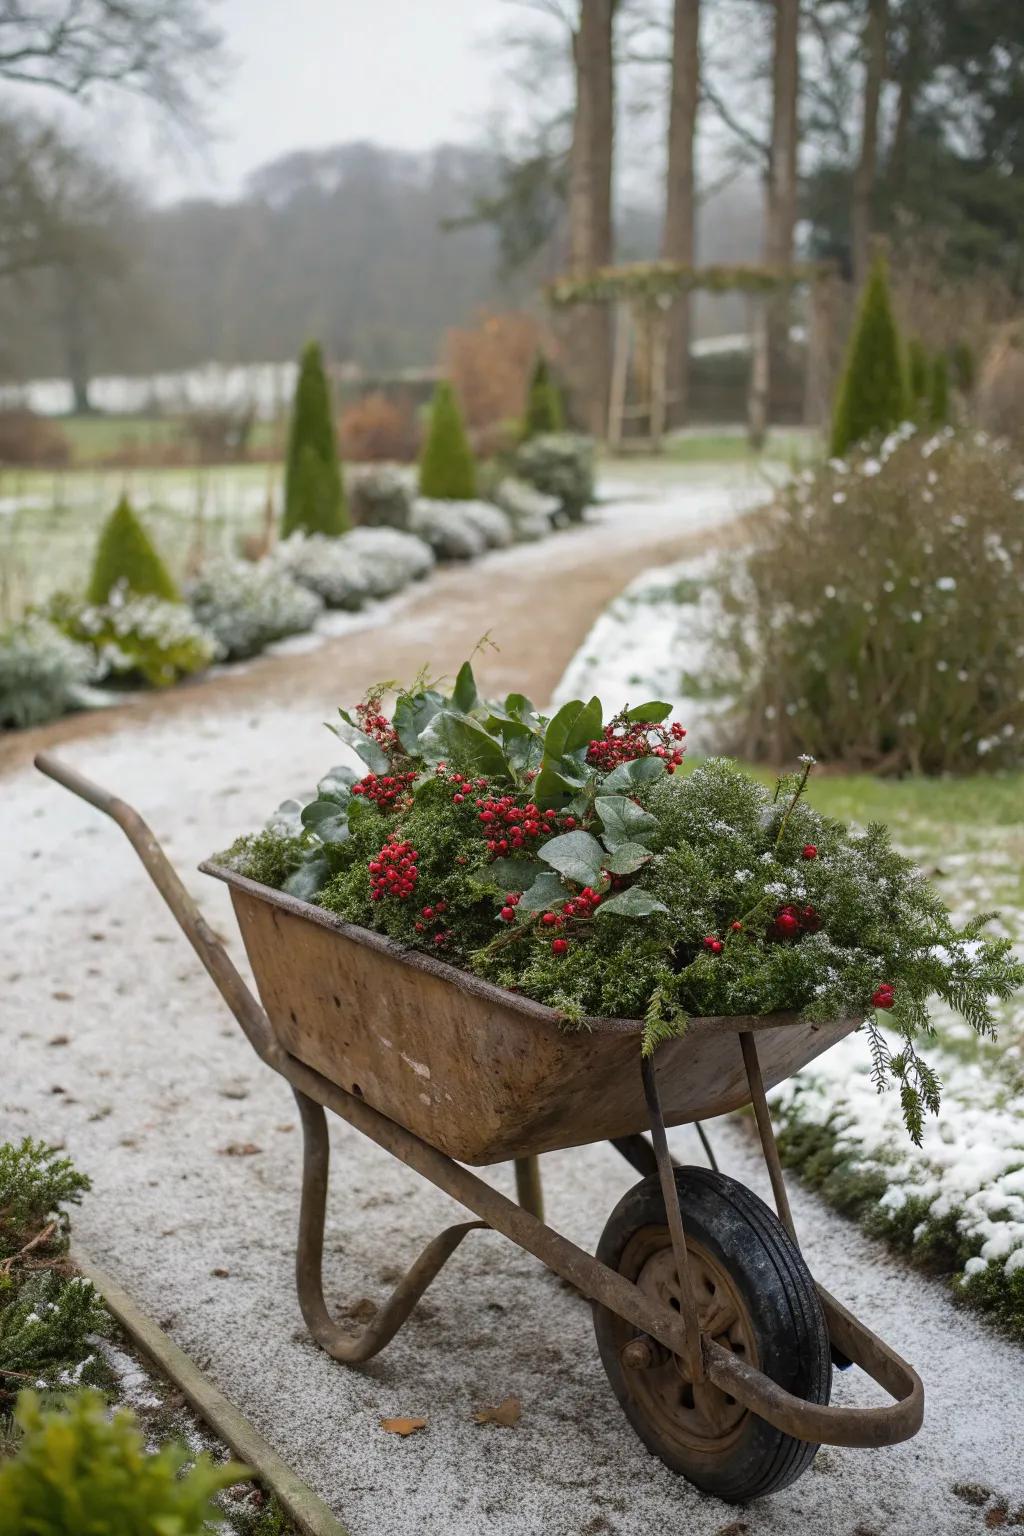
565	859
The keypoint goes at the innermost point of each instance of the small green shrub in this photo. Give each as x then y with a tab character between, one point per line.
872	394
35	1180
43	674
80	1471
544	409
126	557
138	638
560	464
44	1325
876	619
314	498
447	469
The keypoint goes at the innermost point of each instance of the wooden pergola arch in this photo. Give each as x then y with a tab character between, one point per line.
642	295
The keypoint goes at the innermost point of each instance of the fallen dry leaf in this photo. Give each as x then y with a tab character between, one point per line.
62	997
508	1412
240	1149
220	1273
403	1426
60	1040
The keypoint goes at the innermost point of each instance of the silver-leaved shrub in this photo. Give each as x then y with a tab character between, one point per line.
43	674
246	607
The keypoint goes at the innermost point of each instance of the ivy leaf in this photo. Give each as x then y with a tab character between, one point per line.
655	711
310	877
574	726
623	820
642	770
513	874
546	891
475	746
521	708
413	713
374	756
631	903
627	859
464	695
576	855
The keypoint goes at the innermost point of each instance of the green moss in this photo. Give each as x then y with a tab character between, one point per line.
447	469
314	499
265	857
872	395
126	555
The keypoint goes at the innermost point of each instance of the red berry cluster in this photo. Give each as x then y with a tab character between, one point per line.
883	996
508	911
791	921
623	741
393	870
506	824
584	905
714	944
383	789
378	726
434	914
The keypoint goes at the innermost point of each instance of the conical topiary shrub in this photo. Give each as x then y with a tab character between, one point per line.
544	409
447	470
125	553
938	392
314	498
872	394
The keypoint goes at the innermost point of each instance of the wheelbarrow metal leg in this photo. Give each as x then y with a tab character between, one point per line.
353	1349
693	1357
529	1189
766	1131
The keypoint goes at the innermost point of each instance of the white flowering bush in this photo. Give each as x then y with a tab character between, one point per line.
532	512
138	638
330	567
446	528
561	464
380	496
878	619
390	558
43	674
246	607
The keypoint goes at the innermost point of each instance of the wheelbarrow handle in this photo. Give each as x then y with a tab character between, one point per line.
190	919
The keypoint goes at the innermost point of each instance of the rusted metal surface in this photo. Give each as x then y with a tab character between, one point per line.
502	1079
685	1294
762	1115
652	1318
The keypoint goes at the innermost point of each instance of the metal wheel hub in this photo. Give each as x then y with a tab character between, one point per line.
699	1416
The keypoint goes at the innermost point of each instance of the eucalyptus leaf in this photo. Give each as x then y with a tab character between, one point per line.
655	711
642	770
310	877
627	859
328	820
413	713
545	892
623	821
553	787
576	855
471	743
373	756
513	874
336	783
631	903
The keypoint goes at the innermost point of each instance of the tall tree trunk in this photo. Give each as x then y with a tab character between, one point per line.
74	335
781	201
677	238
875	34
590	203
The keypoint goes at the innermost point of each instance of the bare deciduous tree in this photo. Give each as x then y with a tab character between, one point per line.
875	38
677	241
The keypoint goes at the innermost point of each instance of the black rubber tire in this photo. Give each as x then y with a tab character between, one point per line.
784	1320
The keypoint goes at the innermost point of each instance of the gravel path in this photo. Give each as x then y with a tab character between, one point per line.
116	1045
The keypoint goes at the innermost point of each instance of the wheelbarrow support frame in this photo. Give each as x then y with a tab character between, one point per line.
678	1332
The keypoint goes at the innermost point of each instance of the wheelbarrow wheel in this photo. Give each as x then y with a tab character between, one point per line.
756	1297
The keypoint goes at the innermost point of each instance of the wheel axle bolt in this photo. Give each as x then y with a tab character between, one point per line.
638	1355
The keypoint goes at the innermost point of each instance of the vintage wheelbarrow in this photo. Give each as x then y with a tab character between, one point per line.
717	1341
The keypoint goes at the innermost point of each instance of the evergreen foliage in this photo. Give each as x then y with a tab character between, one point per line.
126	557
79	1470
34	1182
938	391
872	393
545	411
447	469
314	500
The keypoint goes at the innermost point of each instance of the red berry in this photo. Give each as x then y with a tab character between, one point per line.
559	946
810	851
458	799
883	997
736	927
787	924
710	941
549	919
716	946
508	914
440	906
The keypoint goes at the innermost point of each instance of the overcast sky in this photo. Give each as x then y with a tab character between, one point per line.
408	73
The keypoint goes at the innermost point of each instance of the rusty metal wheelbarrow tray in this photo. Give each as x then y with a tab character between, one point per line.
480	1073
321	980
